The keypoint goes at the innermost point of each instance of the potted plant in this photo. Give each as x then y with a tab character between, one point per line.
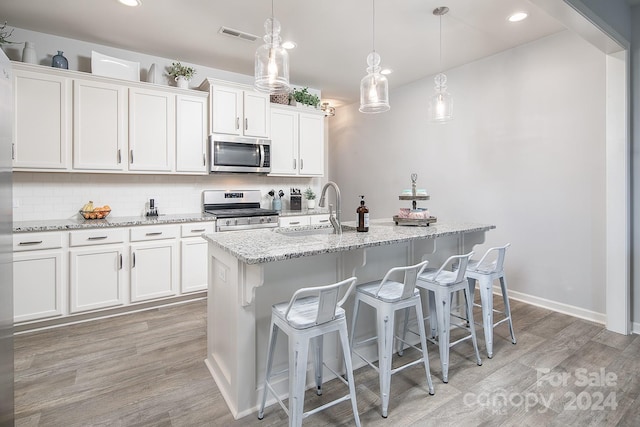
311	198
302	96
181	74
5	34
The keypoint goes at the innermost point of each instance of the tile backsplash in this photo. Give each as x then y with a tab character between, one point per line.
38	196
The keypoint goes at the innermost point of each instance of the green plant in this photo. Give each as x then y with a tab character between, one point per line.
304	97
5	34
177	70
309	194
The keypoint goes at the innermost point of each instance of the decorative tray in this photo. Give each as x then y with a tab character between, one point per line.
421	222
411	197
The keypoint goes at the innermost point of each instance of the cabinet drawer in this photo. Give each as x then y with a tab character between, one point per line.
139	234
96	237
294	221
319	219
196	229
36	241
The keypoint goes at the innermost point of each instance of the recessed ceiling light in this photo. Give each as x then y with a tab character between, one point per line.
386	71
518	16
132	3
289	44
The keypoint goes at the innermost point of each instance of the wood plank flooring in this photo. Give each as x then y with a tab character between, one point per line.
147	369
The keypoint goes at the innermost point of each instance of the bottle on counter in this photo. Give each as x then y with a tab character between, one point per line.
363	217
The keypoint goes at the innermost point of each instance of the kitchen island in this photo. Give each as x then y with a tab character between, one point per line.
249	271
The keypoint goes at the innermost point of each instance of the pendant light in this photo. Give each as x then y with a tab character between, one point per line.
441	103
374	87
272	61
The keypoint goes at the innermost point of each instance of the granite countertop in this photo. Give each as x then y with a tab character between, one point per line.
124	221
268	245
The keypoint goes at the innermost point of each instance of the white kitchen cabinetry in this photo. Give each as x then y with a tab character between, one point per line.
38	276
303	220
153	258
191	133
238	110
152	130
42	121
99	125
95	269
193	256
297	142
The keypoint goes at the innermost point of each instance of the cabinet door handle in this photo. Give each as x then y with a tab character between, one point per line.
237	123
13	151
294	223
246	124
301	164
34	242
120	261
204	159
133	260
294	164
131	156
97	238
155	233
119	156
199	230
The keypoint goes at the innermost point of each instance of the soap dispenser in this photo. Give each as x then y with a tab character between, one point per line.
363	216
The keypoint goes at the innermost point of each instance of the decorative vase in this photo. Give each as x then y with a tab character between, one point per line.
181	82
59	61
152	76
311	204
277	205
29	53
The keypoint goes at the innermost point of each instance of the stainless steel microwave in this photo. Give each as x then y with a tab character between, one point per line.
235	154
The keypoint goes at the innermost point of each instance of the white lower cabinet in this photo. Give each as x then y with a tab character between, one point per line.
38	275
153	262
95	269
193	257
303	220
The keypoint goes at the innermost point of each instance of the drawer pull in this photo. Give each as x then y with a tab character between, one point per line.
323	220
199	230
97	238
156	233
35	242
294	223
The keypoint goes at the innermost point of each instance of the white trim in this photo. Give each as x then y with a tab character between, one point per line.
559	307
635	328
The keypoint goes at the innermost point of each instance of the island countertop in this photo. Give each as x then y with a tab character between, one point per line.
268	245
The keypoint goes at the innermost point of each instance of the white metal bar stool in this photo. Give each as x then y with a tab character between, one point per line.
387	297
310	314
486	271
443	284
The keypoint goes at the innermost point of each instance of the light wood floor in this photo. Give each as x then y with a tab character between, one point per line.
147	369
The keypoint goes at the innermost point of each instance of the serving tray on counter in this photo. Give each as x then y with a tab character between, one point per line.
420	222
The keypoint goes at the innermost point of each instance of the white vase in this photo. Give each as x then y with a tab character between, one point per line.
29	53
311	204
182	83
152	74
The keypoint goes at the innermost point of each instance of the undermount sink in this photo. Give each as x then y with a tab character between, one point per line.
304	231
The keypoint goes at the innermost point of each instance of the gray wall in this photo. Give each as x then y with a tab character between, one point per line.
525	152
635	137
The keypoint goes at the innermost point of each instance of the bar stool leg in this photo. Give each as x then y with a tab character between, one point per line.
507	307
486	297
273	335
346	352
433	323
385	329
404	330
443	312
356	308
298	354
317	361
469	307
423	343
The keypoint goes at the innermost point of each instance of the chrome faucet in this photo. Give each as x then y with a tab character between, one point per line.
335	221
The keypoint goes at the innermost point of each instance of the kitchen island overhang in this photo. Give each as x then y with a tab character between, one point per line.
249	271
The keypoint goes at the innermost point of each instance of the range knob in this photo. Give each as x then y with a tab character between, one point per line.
261	220
235	222
227	222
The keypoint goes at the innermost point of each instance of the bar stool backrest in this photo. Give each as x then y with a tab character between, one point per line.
492	261
411	274
459	261
323	299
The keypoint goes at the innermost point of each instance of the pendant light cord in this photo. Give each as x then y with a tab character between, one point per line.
440	60
373	26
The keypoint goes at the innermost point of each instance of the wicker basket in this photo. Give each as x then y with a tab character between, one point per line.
282	98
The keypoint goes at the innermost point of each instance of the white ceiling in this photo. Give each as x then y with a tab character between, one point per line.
333	36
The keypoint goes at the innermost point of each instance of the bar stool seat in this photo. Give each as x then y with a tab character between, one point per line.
387	297
443	284
309	315
485	271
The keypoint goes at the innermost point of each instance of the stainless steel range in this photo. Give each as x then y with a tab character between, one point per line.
238	210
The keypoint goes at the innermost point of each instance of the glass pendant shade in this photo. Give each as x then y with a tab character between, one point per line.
374	88
272	62
441	103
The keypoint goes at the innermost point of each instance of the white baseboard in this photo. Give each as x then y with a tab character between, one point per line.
560	307
635	328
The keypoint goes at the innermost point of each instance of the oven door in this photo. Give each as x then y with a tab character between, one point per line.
239	155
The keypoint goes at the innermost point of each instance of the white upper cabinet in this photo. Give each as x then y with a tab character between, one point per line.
42	125
297	142
152	130
238	110
191	133
99	125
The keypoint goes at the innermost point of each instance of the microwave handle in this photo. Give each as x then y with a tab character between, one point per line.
261	155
